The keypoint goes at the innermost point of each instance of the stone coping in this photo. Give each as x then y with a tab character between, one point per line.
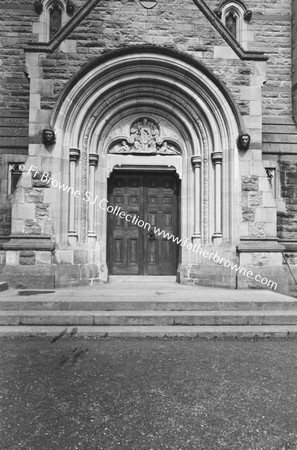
26	242
260	244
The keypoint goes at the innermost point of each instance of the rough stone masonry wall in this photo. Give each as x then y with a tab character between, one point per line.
16	20
287	216
294	55
271	25
118	24
287	213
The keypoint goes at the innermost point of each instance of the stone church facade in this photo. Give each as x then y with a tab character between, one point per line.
120	116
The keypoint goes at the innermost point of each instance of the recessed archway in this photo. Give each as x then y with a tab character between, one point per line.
107	97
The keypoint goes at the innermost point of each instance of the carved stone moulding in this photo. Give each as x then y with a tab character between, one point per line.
148	4
247	13
144	139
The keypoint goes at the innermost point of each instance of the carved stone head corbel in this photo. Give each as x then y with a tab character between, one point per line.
243	141
48	136
70	7
38	6
248	15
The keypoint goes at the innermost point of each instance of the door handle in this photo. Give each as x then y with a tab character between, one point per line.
151	236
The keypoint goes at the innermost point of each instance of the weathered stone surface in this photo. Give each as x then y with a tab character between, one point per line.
37	182
34	195
260	259
27	258
287	228
250	183
29	276
256	229
80	257
5	219
43	257
248	214
255	199
42	210
32	227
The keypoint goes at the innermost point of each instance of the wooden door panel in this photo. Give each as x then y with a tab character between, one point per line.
132	250
124	239
162	253
118	250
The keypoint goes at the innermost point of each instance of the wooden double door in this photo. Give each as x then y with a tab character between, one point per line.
150	201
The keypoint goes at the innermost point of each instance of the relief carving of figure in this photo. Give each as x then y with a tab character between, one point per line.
122	148
144	139
168	149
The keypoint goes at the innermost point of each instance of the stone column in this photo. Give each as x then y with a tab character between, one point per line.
74	154
196	162
93	162
217	158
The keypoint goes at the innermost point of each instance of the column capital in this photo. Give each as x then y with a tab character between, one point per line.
196	161
217	157
93	159
74	154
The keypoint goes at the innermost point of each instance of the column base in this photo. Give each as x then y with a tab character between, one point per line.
217	238
72	237
196	238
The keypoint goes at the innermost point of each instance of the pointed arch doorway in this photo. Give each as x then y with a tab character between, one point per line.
188	110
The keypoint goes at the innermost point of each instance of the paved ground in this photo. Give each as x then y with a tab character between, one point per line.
148	394
162	287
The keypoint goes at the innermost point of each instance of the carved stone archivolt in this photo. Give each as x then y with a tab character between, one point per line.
144	138
119	130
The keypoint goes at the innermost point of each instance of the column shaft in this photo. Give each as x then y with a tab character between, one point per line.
74	154
217	160
93	162
196	162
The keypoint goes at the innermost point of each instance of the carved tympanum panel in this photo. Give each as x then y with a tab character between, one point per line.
144	138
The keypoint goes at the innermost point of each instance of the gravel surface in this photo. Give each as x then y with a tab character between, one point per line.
148	394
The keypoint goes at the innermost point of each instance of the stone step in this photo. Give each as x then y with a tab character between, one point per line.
264	331
146	303
149	318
